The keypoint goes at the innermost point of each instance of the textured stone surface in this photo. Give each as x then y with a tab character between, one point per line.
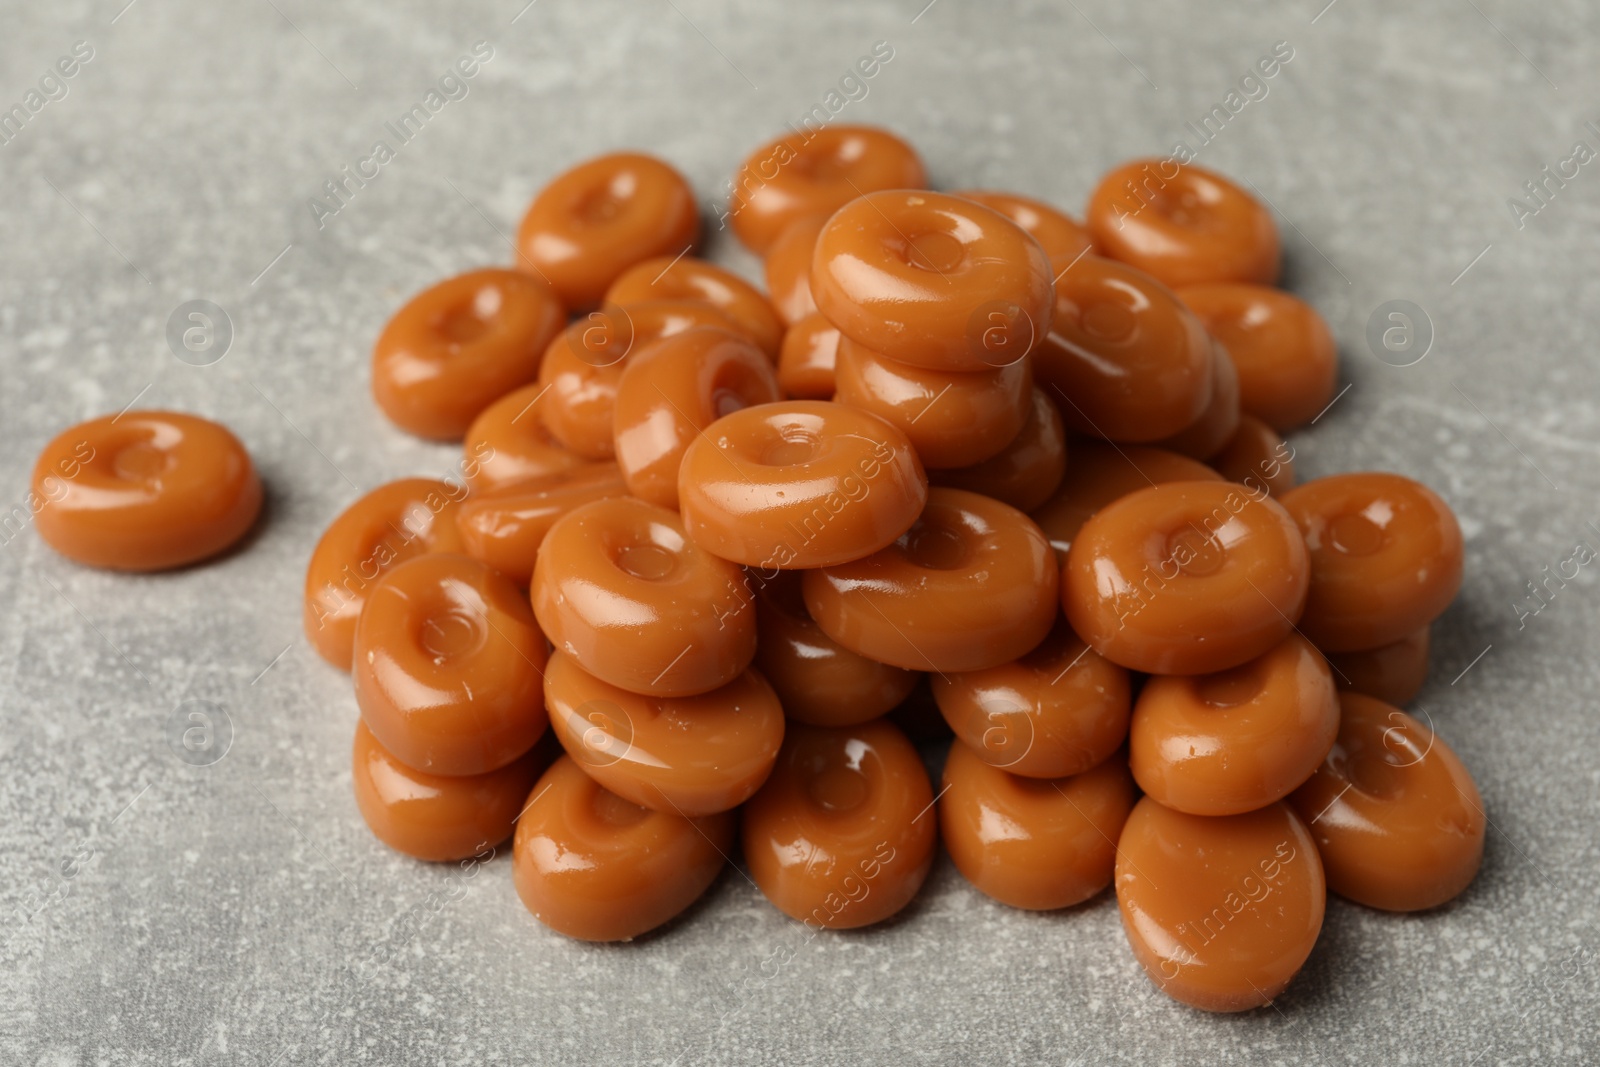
160	913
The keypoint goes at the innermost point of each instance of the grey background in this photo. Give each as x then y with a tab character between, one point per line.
157	912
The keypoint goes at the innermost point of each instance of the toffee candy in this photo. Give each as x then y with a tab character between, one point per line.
594	867
432	816
391	524
1394	812
953	418
1058	711
621	589
1124	358
144	491
788	268
843	833
593	222
449	666
1257	458
1186	578
807	360
932	280
1239	739
505	528
1102	473
687	278
1392	673
1222	911
1386	558
818	680
456	348
508	443
1062	237
1183	224
815	172
1028	470
1288	366
583	367
694	755
972	584
1035	843
670	392
801	483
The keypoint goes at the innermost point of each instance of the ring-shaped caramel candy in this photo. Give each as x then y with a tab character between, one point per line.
687	278
504	528
1125	360
1056	711
812	172
1034	843
933	280
971	585
144	491
620	588
1027	471
1395	813
954	419
449	666
1386	558
818	680
459	346
843	833
800	483
1235	740
594	221
1186	578
434	816
674	388
1184	224
694	755
595	867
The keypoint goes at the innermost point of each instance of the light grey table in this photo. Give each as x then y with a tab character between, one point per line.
158	912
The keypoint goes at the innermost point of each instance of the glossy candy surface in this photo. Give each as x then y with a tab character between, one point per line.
972	584
1035	843
594	221
1026	471
144	491
694	755
620	588
808	358
1394	811
787	266
432	816
386	527
1386	558
459	346
1284	352
508	443
1124	359
814	172
1235	740
1062	237
1057	711
932	280
1186	578
687	278
1392	673
595	867
818	680
801	483
583	366
1183	224
448	666
1101	473
1220	911
954	419
505	527
1257	458
843	833
670	391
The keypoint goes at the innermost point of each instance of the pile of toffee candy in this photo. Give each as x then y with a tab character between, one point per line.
716	550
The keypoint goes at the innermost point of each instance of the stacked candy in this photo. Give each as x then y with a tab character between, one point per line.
964	448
